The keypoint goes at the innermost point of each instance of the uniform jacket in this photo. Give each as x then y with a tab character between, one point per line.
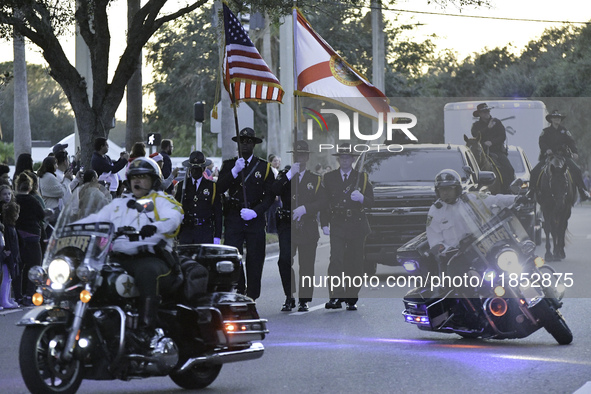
166	216
259	179
556	139
203	203
447	224
310	194
495	134
338	195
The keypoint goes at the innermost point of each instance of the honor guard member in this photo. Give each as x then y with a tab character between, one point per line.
245	222
492	137
348	193
201	203
302	196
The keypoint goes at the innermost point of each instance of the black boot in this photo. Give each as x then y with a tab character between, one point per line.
148	318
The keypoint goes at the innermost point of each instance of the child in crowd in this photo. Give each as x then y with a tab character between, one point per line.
6	196
10	256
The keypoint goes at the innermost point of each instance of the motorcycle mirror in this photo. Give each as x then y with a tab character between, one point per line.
517	186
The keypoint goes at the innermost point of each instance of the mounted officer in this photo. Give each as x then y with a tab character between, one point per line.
556	139
201	203
492	137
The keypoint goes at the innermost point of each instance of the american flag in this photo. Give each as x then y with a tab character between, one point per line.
244	68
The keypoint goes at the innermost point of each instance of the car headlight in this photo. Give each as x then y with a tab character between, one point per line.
59	271
508	261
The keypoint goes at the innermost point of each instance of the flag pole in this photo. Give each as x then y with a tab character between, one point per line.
295	97
233	98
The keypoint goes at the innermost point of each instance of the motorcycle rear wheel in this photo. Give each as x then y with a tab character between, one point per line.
42	371
198	377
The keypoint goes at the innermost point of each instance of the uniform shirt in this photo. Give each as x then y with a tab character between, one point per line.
556	139
202	200
258	180
166	216
447	224
495	134
310	192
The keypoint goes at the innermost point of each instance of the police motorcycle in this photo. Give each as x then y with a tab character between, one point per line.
505	291
87	312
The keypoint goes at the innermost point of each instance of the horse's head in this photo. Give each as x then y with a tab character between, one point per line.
558	182
474	145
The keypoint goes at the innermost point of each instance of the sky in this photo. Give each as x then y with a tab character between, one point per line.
464	35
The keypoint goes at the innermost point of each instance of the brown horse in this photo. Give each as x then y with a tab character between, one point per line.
485	162
556	194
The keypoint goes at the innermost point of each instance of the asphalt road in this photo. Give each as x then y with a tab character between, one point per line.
373	350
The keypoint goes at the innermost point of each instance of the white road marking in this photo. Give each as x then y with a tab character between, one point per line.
585	389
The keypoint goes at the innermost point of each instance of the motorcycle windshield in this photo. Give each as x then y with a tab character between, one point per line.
86	243
497	226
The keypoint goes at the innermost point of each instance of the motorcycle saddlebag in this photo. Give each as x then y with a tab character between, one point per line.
195	279
223	263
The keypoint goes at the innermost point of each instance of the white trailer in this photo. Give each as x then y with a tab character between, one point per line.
523	121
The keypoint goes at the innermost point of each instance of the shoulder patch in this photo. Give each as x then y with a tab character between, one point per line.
429	220
438	204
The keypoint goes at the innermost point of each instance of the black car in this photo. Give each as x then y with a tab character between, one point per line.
404	192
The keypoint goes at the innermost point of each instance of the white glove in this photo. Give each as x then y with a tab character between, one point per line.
247	214
487	143
295	168
217	241
239	166
299	212
357	196
325	230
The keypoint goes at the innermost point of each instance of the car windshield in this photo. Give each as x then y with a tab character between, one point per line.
410	165
516	161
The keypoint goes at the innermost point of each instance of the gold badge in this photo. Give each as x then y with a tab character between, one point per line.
257	174
310	186
206	192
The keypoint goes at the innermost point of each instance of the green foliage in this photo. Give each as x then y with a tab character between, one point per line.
6	153
185	58
50	113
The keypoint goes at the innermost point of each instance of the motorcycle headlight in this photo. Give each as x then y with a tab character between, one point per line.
508	261
60	271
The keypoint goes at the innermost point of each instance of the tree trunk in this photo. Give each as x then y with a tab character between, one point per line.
134	131
22	125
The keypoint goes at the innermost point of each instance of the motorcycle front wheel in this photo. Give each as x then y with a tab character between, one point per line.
554	323
41	367
198	377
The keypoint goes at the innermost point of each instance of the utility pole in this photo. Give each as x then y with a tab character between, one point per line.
378	48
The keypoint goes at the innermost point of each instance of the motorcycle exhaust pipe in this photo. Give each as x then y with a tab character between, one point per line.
497	306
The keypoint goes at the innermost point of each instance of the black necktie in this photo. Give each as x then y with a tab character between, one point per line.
245	164
345	178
